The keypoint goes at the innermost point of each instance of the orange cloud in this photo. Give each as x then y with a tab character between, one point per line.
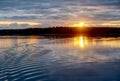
19	23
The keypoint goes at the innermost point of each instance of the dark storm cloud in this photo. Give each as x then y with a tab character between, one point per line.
59	10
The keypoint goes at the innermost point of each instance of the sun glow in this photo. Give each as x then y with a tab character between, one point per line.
81	24
18	22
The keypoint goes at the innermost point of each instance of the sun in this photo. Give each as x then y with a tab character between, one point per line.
80	24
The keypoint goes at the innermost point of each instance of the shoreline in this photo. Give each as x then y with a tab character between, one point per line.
64	31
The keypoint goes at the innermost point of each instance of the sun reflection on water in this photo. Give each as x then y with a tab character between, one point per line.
80	41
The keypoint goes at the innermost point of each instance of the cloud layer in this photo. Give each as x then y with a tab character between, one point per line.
60	12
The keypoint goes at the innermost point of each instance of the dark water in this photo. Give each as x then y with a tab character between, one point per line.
59	59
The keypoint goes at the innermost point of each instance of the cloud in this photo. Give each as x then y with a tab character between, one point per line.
21	17
54	12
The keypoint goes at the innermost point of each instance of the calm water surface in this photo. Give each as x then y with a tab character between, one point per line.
80	58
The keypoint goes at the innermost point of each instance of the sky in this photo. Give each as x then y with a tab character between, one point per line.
46	13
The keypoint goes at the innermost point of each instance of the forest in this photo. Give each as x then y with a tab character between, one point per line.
88	31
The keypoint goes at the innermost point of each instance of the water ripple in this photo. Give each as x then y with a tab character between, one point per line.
58	62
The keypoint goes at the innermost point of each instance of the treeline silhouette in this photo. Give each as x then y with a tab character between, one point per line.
89	31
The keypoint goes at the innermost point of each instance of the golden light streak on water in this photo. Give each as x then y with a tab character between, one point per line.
80	41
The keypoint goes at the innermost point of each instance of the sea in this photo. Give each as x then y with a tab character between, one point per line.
59	58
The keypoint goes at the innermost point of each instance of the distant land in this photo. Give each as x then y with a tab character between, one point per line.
87	31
